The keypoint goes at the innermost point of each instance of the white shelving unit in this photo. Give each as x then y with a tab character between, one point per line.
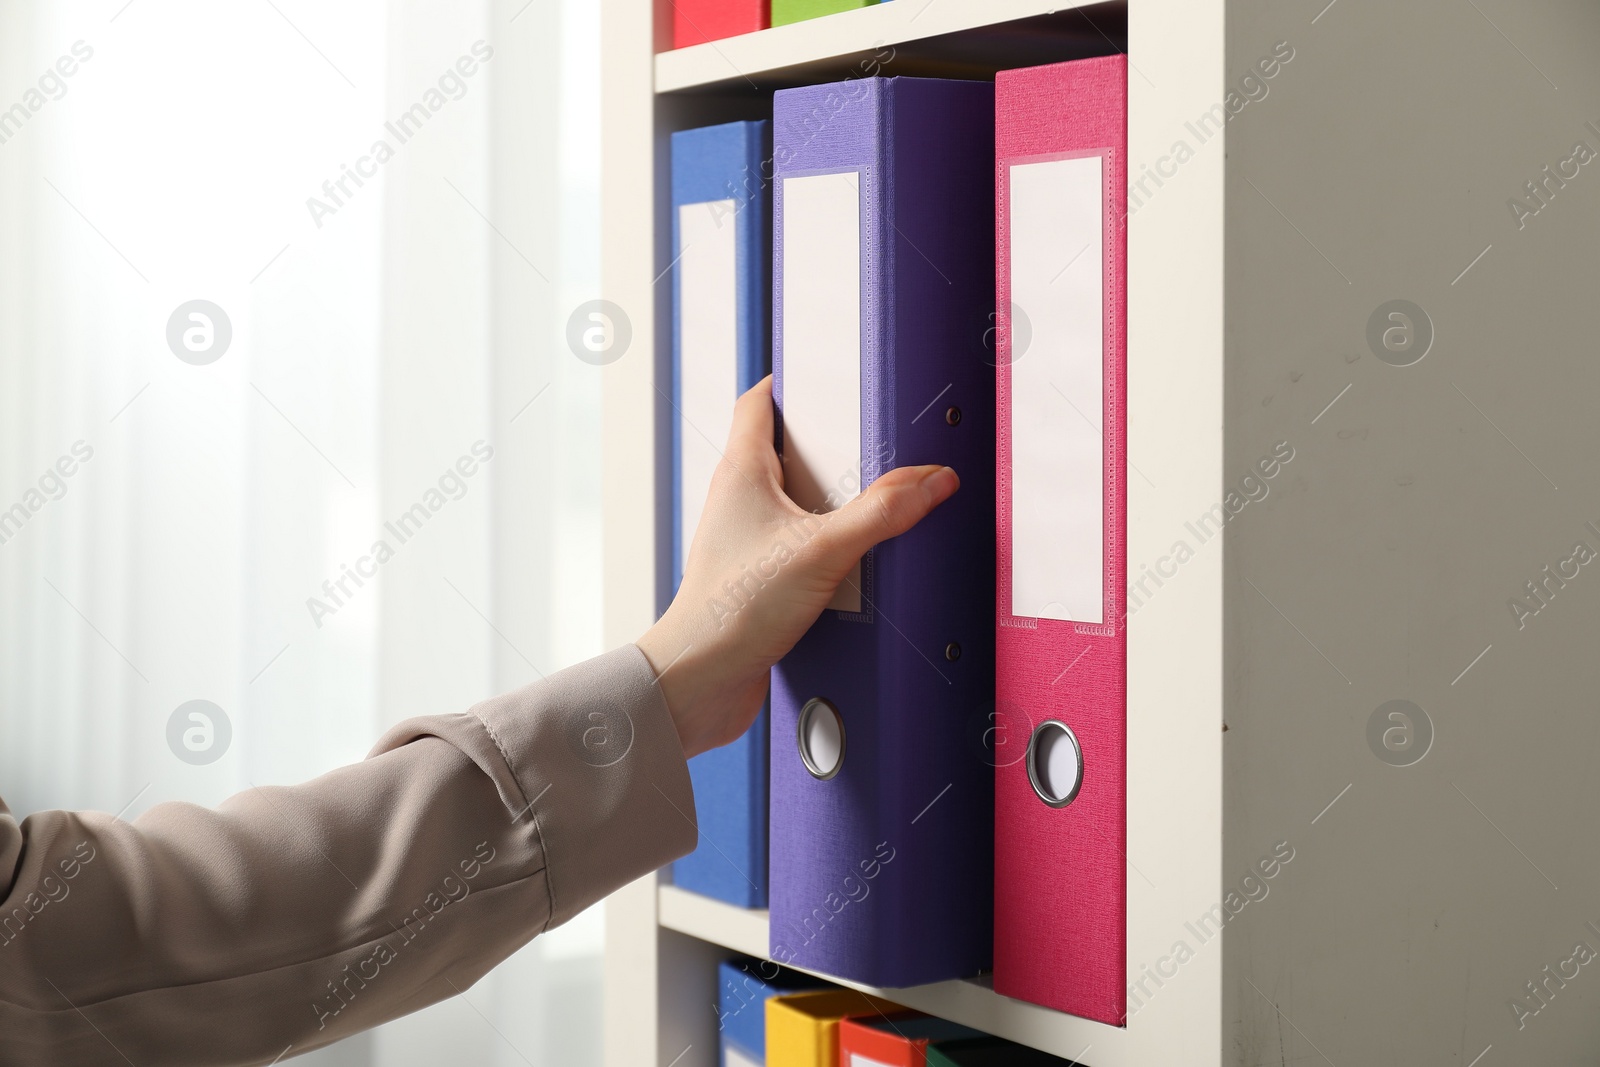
662	943
1373	165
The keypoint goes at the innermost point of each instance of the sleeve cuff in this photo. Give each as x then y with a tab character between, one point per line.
599	769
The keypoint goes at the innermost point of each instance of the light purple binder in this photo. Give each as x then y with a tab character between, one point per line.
881	861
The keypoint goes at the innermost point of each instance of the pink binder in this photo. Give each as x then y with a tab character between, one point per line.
1061	691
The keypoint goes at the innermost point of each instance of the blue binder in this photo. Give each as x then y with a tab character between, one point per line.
882	801
720	226
743	988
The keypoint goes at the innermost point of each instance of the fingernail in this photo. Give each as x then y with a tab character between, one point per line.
938	485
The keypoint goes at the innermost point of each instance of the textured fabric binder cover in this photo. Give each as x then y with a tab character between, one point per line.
1060	880
699	21
990	1052
743	989
709	165
896	1041
883	873
715	164
786	11
803	1028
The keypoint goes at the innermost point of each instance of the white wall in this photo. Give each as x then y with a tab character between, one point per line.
368	353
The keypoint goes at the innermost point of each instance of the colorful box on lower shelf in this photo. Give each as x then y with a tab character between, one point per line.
895	1040
744	986
990	1052
787	11
803	1028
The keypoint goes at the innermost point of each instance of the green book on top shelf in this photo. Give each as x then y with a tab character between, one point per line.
787	11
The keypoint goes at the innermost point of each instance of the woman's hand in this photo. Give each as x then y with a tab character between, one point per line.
760	571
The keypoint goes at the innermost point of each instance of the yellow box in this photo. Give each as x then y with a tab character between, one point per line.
803	1028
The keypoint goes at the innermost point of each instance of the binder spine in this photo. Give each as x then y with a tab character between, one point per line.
725	168
823	834
712	164
1060	860
881	873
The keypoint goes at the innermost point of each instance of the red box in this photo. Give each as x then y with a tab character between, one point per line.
899	1040
699	21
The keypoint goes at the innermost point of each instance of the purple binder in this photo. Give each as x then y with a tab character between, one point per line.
882	800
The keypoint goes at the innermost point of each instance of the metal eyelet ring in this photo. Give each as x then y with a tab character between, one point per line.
815	732
1046	736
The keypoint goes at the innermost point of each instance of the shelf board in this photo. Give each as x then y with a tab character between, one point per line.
740	929
953	38
971	1002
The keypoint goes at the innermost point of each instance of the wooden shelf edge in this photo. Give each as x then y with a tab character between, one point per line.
971	1002
831	37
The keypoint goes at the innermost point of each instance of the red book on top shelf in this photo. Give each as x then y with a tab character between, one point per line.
699	21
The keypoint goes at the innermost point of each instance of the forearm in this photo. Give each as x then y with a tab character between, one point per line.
290	917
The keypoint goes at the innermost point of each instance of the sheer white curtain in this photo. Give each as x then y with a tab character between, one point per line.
391	310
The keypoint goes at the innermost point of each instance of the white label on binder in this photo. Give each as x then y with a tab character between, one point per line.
708	372
858	1060
822	348
732	1057
1058	449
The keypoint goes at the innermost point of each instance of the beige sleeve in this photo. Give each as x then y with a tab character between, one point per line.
288	918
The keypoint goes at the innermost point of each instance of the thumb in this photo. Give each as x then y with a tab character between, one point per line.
892	505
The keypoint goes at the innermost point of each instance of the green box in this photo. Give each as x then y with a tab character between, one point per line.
990	1052
787	11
